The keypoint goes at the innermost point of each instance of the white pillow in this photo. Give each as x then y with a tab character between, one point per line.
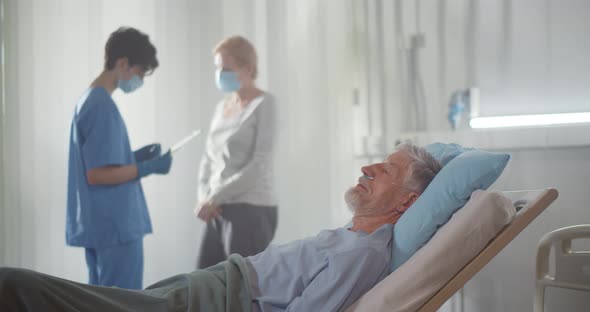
468	231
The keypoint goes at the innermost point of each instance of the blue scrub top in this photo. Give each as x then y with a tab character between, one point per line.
102	215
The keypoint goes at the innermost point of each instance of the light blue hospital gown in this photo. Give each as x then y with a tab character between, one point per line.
328	272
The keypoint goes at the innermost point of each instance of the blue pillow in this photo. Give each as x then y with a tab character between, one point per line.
445	152
464	171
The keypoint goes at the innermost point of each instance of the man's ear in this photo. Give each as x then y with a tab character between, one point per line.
122	63
409	200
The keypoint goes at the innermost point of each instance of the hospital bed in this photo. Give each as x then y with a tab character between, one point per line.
571	269
459	249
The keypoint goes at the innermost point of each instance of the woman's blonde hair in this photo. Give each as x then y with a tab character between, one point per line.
241	50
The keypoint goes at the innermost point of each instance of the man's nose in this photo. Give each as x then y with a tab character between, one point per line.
367	170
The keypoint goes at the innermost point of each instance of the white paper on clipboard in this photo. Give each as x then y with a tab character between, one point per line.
185	140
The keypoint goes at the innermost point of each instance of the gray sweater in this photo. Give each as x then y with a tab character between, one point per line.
237	166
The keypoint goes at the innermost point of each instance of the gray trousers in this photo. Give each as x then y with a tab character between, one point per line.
243	229
223	287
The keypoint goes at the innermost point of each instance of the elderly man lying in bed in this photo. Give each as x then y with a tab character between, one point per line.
327	272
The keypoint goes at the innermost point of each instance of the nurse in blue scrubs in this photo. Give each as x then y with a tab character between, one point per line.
106	208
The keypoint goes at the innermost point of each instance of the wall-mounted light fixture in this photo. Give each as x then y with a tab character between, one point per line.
529	120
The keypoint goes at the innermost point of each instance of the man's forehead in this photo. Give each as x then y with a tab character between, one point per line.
399	159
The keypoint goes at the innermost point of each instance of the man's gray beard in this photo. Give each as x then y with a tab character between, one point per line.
352	199
354	203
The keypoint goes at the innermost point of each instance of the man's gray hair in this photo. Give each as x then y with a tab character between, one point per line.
423	167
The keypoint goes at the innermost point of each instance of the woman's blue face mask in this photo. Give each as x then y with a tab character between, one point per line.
130	85
226	80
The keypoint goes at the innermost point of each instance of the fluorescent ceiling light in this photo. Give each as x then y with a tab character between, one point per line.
528	120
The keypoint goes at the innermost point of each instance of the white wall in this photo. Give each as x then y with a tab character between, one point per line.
311	68
2	234
522	55
507	282
306	58
526	56
315	56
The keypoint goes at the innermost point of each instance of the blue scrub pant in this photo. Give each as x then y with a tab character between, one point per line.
120	265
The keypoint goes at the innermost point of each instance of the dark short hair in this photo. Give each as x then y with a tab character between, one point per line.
134	45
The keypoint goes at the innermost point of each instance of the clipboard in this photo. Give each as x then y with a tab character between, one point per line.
185	140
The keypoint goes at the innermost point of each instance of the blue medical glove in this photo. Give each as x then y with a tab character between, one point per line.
160	165
147	152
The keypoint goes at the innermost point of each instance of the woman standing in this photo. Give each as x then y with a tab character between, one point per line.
236	197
